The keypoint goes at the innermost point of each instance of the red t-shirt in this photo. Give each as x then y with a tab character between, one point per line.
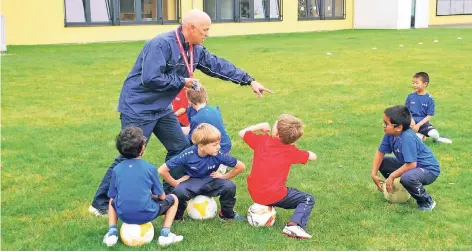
270	167
181	101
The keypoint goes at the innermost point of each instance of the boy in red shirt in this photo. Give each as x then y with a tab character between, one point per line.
273	156
179	106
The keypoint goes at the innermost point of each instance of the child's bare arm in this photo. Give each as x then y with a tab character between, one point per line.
164	171
180	111
265	127
425	120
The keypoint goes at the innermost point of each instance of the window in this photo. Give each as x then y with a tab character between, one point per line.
243	10
453	7
321	9
119	12
83	12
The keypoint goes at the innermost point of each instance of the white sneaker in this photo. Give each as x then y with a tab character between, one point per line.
170	239
110	240
296	232
444	140
98	212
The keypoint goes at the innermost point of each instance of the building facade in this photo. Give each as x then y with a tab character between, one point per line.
32	22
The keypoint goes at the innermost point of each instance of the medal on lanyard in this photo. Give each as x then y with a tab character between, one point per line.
188	65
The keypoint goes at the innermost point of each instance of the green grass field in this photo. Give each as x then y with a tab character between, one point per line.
59	121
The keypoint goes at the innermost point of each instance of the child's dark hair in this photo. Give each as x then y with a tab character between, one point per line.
399	115
423	75
130	142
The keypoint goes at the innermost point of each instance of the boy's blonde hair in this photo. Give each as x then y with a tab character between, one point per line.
205	134
197	97
290	128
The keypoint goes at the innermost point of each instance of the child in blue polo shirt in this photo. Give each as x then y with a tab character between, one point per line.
200	112
200	163
414	162
422	108
136	195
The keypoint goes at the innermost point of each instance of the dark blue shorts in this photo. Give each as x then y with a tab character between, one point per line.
164	205
425	128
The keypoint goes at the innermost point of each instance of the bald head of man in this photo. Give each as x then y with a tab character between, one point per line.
196	26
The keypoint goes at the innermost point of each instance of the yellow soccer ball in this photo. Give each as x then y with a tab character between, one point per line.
136	235
202	208
398	195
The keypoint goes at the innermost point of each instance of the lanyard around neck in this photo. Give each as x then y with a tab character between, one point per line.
182	51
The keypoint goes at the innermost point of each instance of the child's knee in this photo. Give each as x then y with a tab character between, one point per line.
176	199
310	199
407	179
230	187
179	193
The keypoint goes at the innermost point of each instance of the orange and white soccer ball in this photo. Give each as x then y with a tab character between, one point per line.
201	208
261	216
136	235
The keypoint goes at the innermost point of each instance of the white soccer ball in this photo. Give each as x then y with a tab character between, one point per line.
398	195
136	235
202	208
261	216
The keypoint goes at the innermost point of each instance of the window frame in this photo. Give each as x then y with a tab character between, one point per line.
322	15
447	15
113	11
237	13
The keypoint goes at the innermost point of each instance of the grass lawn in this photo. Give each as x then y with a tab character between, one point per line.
59	121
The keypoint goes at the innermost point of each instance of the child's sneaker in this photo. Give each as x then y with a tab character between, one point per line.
171	238
427	208
111	238
98	212
295	232
445	140
236	217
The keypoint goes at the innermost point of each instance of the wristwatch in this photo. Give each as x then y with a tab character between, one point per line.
250	80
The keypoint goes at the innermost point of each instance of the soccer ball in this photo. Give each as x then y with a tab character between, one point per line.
399	193
202	208
261	216
136	235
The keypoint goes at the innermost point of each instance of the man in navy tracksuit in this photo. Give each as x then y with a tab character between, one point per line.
164	66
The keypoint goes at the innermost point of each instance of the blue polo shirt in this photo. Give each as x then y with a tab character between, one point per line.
420	106
210	115
158	75
200	167
132	183
408	148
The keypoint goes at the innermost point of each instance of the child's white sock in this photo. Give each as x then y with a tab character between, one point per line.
434	134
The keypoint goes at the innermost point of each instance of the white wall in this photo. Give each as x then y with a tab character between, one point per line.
382	14
3	45
422	14
404	14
